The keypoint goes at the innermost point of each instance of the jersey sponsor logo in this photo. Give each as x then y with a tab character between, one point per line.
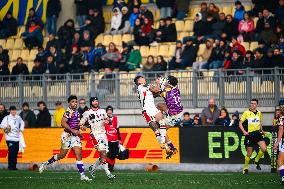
253	120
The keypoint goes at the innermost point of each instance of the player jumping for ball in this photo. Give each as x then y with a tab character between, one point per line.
253	135
280	144
70	138
152	115
96	118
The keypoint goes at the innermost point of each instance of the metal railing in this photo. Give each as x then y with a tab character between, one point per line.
231	88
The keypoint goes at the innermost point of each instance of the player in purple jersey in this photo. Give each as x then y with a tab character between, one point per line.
70	138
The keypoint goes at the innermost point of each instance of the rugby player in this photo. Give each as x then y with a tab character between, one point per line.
280	144
97	118
253	135
152	115
70	138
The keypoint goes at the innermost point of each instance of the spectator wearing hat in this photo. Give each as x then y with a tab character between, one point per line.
146	13
175	62
115	21
124	27
32	37
165	7
3	112
33	18
43	117
52	12
204	55
13	126
187	121
239	11
58	114
169	33
28	116
9	26
81	11
199	26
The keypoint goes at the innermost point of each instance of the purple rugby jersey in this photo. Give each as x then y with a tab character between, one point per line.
73	118
172	98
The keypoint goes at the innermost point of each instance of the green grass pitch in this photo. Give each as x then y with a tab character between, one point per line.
137	180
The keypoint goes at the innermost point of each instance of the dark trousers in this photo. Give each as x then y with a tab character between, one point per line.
112	154
13	149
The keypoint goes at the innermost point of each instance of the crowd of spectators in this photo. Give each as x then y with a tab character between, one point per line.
71	48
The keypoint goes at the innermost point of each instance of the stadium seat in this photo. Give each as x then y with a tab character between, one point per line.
107	40
154	51
33	54
172	49
144	51
127	37
15	54
99	39
253	45
30	66
18	43
201	49
194	11
25	54
164	50
117	40
181	35
227	10
10	43
248	7
3	43
188	25
179	25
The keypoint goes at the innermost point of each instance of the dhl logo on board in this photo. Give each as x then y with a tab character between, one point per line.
141	142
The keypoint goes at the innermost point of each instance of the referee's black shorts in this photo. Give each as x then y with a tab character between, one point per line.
253	138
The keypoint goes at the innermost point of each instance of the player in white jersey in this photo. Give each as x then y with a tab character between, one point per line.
152	115
96	118
280	144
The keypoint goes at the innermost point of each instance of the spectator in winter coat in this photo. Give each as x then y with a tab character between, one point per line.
210	114
124	27
160	32
9	26
268	35
199	26
133	17
218	26
239	11
3	71
38	69
213	10
187	121
170	32
28	116
33	36
52	12
52	41
20	68
149	64
76	61
238	46
189	53
145	13
112	57
223	119
246	28
115	21
98	22
175	62
217	57
230	29
4	55
33	18
81	11
50	66
237	62
65	35
132	4
248	60
160	65
43	117
82	107
203	11
204	55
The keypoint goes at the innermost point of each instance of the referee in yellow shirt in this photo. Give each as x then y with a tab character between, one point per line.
253	135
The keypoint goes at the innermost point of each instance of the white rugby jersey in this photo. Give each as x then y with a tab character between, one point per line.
17	125
146	97
96	119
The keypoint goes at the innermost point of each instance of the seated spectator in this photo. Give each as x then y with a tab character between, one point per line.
139	38
165	7
52	12
38	69
33	18
228	59
160	65
88	27
133	17
213	10
278	60
196	120
3	112
204	56
115	22
239	11
237	46
58	114
268	35
132	4
20	68
210	114
218	26
100	50
237	63
58	59
199	26
187	121
131	58
52	41
175	62
189	53
82	107
203	11
33	36
230	28
235	120
160	32
9	26
149	64
246	28
99	23
81	11
77	39
223	119
28	116
112	57
259	58
76	61
42	55
50	66
65	34
43	117
124	27
147	30
182	8
169	33
86	40
4	71
4	55
259	26
217	57
248	60
145	13
88	59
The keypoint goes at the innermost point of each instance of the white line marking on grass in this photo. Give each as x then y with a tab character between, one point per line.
46	178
